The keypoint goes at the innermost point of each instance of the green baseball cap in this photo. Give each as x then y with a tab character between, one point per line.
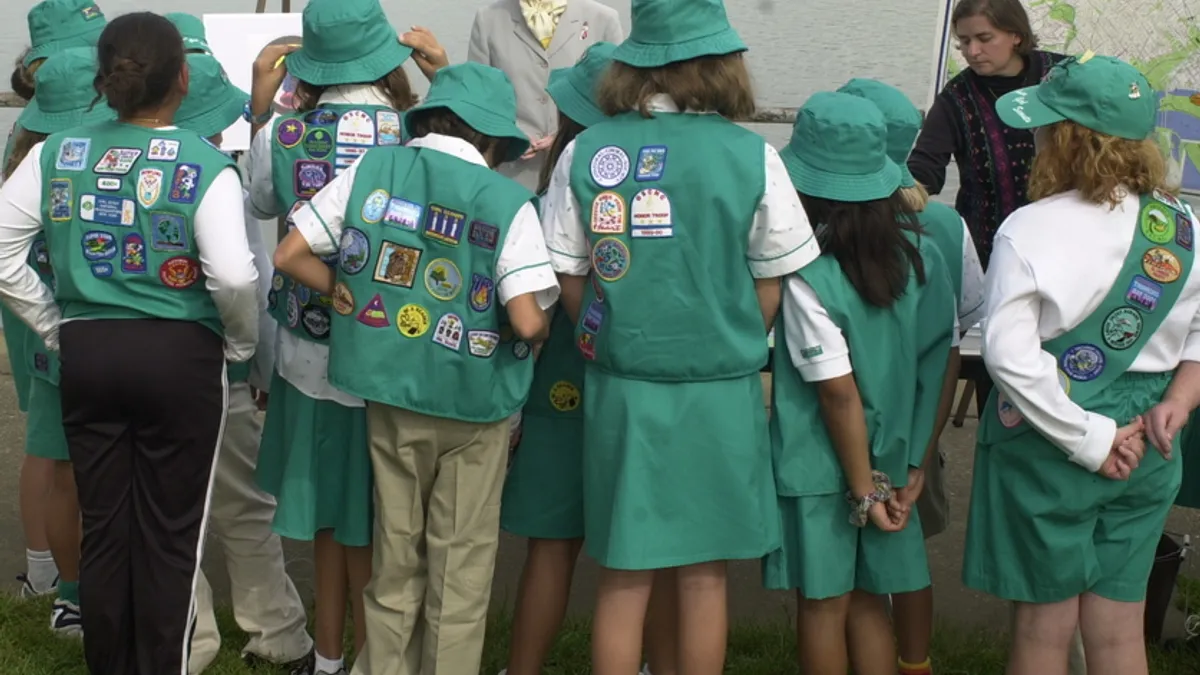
838	150
346	42
61	24
191	28
1101	93
212	103
903	119
482	96
668	31
65	94
574	89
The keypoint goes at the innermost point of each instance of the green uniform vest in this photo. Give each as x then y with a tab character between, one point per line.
42	363
899	356
945	227
668	225
307	151
416	323
1103	346
119	206
557	389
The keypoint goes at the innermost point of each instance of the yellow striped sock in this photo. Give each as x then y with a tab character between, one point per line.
925	668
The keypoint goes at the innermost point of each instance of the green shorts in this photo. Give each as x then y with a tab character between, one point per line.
824	556
543	493
44	436
1042	529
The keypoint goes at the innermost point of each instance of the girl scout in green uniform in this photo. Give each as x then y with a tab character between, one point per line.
1087	349
847	438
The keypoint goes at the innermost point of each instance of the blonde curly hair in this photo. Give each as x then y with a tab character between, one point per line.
1073	157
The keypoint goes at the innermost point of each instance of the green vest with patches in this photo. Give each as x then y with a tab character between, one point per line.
307	151
416	322
42	363
119	209
668	223
945	227
557	389
899	357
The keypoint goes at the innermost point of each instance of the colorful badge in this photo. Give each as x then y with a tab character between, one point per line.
1157	224
587	346
185	184
1007	412
481	292
355	128
99	245
412	321
149	187
318	143
107	210
272	300
610	259
322	117
316	322
39	256
73	154
162	150
374	315
449	331
180	272
117	161
102	270
442	279
610	166
168	232
397	264
482	343
293	311
1082	362
108	184
41	362
277	282
596	287
521	350
375	206
1183	231
90	12
650	214
608	213
483	235
308	177
387	123
60	199
1161	265
353	251
403	214
289	133
651	163
564	396
304	295
1064	382
1168	199
133	254
1122	327
343	299
444	225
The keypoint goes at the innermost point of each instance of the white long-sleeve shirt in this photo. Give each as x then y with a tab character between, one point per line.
263	363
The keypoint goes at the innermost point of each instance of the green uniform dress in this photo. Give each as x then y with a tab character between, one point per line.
1189	441
1043	529
945	228
899	356
677	466
16	333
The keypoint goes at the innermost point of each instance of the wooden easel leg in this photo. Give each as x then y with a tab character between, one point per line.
964	403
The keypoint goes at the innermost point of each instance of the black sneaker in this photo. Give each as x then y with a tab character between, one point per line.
65	619
305	665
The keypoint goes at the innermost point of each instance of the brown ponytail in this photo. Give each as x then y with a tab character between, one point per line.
140	57
22	76
23	141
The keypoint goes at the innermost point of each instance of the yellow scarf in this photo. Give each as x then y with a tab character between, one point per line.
542	17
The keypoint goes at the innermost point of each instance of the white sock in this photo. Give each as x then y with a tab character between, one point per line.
325	665
40	570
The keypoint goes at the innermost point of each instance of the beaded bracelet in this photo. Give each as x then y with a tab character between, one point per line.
860	508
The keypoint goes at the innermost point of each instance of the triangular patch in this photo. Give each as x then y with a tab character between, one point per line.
374	314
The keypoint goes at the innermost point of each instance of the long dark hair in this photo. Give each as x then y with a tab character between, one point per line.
443	121
568	129
868	241
140	57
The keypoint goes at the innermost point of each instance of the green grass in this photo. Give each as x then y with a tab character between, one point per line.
28	648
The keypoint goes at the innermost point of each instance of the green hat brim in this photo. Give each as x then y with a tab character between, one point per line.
367	68
646	55
46	49
1022	109
841	187
39	121
227	110
572	102
483	120
196	43
906	177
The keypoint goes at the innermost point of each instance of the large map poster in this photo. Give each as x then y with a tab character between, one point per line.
1160	37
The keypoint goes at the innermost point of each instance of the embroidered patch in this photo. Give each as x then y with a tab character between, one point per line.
482	343
343	299
1082	362
272	300
1183	231
564	396
304	295
596	287
277	282
651	163
355	128
90	12
318	144
60	199
442	279
39	256
289	133
403	214
593	318
374	315
108	184
1007	412
293	311
308	177
610	259
168	232
41	362
811	352
117	161
608	213
316	322
484	235
1168	199
162	150
374	206
149	187
179	272
521	350
353	251
412	321
481	292
650	214
1143	293
1161	265
73	154
99	245
388	125
133	254
1064	382
322	117
449	331
610	166
106	210
185	184
397	265
102	270
1122	328
1157	225
444	225
587	346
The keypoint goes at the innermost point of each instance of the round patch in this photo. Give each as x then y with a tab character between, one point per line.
272	299
1064	382
375	206
354	250
1161	265
316	322
318	143
564	396
412	321
277	282
1083	362
343	299
293	311
304	294
442	279
1007	412
610	259
610	166
1122	327
179	272
1157	225
521	350
289	133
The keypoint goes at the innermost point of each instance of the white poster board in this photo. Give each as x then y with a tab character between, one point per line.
236	40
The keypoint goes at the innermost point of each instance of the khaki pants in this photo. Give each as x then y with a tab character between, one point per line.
265	603
437	526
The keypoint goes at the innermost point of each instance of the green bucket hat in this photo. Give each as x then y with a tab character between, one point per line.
212	103
482	96
838	150
192	30
574	89
64	94
1101	93
346	42
61	24
903	120
668	31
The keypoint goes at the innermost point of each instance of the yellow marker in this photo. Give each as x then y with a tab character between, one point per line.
1087	56
281	59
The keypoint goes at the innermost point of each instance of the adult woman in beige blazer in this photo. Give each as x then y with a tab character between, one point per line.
527	39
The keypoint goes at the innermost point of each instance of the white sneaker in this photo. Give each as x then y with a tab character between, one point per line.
65	619
340	671
28	590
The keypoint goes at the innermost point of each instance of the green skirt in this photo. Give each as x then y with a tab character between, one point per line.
15	335
44	435
315	460
676	473
1189	440
543	493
